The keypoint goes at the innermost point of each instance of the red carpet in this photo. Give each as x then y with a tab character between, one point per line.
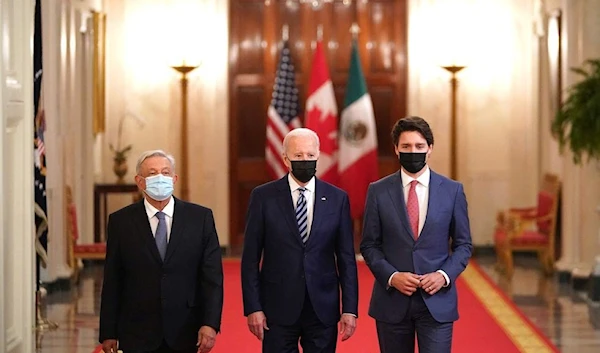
488	322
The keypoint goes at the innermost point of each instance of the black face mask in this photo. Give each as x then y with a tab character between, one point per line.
304	170
412	162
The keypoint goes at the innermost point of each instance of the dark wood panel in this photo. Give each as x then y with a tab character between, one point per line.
251	134
248	50
252	79
255	47
254	168
341	38
291	16
243	191
302	88
381	26
382	98
388	165
339	92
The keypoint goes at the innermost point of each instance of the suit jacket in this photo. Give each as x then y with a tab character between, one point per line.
145	300
291	269
388	245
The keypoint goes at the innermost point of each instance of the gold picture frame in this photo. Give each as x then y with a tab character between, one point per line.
99	71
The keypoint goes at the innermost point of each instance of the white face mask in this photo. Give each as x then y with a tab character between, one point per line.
159	187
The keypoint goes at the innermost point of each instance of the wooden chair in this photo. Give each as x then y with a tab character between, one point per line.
94	251
529	229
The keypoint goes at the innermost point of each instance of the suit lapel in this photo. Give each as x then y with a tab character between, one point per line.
177	228
433	203
143	226
397	195
319	207
286	205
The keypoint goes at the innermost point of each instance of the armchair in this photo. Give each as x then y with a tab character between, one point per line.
529	229
93	251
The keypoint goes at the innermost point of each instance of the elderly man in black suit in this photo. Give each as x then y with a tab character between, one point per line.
163	275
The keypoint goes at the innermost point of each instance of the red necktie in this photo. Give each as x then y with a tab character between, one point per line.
412	206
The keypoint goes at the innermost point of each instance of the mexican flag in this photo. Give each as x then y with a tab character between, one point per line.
357	162
322	116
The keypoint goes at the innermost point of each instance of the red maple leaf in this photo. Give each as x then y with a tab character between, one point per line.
325	125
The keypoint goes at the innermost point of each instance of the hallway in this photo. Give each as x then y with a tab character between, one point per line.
560	313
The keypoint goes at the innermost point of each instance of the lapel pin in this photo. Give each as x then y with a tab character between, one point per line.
323	198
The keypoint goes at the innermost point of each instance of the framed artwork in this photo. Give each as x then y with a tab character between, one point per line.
554	37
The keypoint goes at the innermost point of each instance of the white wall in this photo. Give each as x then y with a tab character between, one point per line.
144	39
17	271
497	98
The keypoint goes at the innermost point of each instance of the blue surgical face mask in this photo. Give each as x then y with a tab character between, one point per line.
159	187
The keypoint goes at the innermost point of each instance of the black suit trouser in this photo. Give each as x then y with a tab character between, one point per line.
308	331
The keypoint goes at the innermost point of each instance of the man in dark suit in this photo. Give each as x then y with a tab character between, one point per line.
163	275
301	228
410	218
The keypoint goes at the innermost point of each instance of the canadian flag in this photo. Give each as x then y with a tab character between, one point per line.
321	116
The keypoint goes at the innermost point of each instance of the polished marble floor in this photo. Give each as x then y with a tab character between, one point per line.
559	312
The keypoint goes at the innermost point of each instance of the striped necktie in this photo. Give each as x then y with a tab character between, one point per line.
302	215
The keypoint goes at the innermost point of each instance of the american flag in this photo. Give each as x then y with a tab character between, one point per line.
39	121
283	113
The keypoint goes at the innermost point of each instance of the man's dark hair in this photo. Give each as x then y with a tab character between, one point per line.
412	123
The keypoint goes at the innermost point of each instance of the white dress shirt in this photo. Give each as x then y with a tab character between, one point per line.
308	195
422	190
168	211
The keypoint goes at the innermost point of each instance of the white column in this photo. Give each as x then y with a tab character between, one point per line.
56	50
581	193
82	150
550	160
590	184
17	269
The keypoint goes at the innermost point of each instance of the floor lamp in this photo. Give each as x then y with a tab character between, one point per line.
453	126
183	169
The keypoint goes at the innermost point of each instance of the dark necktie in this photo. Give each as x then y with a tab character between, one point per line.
161	235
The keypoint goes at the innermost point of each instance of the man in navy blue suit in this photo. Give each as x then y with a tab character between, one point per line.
300	228
410	217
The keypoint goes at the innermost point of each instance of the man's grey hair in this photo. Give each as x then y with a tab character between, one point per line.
154	153
300	132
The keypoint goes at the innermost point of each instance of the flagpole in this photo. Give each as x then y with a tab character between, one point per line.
285	32
41	323
355	30
319	33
